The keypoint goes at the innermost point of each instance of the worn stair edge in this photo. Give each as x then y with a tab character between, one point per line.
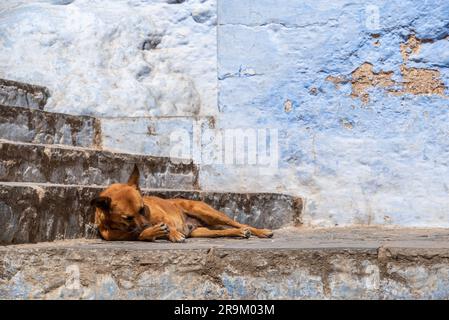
19	94
26	162
32	212
36	126
94	269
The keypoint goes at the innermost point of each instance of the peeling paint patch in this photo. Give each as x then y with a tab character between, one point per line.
411	47
422	81
336	80
346	123
364	78
416	81
288	106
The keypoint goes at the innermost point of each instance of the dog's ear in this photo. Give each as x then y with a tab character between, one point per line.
103	203
134	178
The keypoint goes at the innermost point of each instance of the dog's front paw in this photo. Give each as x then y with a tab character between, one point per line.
152	233
162	229
176	236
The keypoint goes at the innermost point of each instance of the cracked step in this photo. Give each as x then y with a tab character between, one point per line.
26	162
36	126
19	94
337	263
35	212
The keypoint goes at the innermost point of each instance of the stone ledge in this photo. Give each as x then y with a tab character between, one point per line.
19	94
25	162
392	241
30	125
295	264
34	212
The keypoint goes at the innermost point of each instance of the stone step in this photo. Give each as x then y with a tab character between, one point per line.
18	94
30	125
26	162
33	212
353	263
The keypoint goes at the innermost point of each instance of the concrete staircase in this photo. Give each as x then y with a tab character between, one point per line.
46	189
52	165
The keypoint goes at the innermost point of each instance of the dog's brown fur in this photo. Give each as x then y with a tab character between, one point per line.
122	213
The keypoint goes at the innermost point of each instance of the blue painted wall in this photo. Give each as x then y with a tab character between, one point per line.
382	161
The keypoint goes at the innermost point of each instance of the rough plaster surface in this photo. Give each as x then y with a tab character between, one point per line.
114	58
345	263
151	135
361	109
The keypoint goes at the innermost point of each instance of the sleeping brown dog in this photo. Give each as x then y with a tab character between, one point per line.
122	213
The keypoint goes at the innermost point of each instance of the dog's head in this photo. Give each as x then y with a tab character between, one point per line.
121	206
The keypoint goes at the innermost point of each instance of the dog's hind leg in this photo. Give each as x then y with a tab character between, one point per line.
212	217
208	233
